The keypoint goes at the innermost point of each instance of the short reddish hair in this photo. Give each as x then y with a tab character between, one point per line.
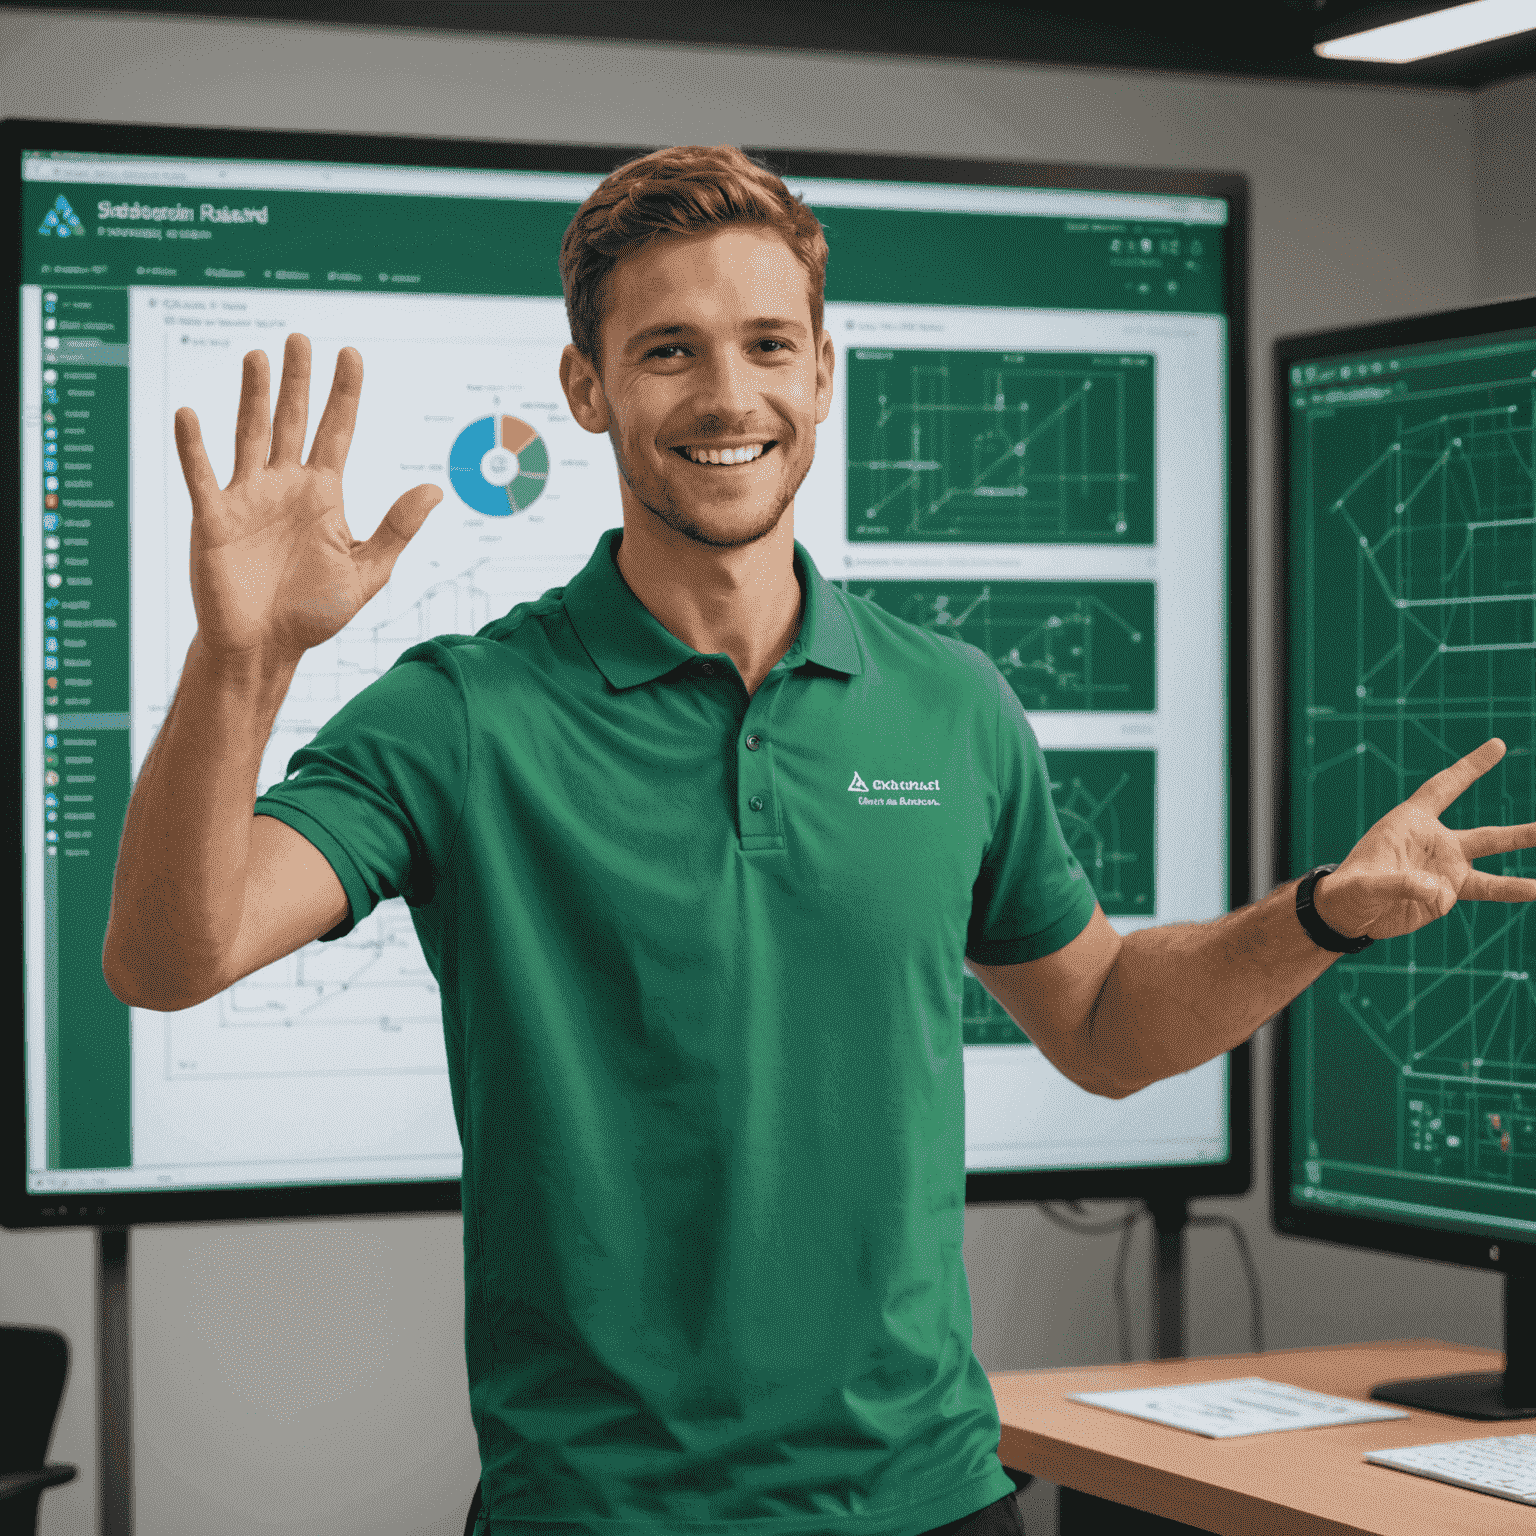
684	190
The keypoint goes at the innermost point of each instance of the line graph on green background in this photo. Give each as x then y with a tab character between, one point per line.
1105	800
1000	447
1062	645
1414	635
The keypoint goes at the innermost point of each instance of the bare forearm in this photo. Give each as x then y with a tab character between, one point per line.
180	885
1180	995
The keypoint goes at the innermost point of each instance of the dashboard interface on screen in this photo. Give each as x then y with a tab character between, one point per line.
1028	451
1413	589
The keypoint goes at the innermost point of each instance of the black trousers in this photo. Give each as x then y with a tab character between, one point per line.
999	1519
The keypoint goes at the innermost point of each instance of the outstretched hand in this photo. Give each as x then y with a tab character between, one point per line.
1410	869
275	569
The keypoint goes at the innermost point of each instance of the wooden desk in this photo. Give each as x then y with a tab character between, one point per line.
1305	1482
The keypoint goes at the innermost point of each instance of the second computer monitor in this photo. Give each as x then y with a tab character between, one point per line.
1406	1095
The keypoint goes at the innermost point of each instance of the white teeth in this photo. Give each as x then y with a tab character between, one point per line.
725	455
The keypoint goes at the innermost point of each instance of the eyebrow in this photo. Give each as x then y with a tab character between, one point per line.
762	323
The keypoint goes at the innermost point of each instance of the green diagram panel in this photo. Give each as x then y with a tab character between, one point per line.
1413	641
1106	800
1000	447
1068	645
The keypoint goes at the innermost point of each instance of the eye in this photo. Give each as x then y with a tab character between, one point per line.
771	344
668	350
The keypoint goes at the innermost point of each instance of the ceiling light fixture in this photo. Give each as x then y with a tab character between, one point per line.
1421	37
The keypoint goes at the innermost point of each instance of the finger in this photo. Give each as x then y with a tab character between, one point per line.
1450	783
400	525
1481	887
202	483
253	426
291	418
334	434
1480	842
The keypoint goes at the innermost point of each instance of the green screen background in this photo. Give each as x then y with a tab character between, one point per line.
1413	591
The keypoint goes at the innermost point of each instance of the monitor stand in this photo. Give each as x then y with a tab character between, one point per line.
1487	1395
114	1388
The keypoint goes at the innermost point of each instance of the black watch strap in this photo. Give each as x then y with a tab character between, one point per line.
1317	930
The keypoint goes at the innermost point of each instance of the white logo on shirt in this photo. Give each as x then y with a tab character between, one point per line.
876	791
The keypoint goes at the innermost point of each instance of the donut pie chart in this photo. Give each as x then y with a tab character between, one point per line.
498	465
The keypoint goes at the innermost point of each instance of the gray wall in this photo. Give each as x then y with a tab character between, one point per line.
307	1377
1506	189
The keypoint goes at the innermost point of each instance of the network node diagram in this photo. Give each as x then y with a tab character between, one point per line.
1000	447
1063	645
1105	800
1414	595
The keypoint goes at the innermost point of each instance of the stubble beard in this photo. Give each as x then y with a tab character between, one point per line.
690	527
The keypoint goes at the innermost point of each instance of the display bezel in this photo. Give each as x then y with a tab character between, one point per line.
1289	1216
107	1208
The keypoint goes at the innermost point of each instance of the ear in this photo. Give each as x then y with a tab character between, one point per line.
583	390
826	361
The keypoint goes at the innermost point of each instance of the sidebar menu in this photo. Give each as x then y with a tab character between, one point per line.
86	681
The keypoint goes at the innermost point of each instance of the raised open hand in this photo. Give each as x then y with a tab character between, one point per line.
1409	869
275	569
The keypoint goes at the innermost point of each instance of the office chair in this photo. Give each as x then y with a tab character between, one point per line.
33	1365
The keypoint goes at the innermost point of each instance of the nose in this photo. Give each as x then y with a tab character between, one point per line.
727	391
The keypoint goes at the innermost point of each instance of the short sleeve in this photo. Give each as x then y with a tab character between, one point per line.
380	789
1032	896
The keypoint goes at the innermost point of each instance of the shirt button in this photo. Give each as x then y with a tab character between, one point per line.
754	741
706	669
756	802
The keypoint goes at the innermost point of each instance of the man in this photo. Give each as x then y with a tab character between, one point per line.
702	1008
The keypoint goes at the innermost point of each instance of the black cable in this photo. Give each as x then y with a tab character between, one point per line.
1250	1269
1122	1302
1123	1224
1094	1229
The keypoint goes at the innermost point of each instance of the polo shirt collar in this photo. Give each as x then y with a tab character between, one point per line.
629	646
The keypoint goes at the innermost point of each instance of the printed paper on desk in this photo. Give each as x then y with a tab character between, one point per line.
1247	1405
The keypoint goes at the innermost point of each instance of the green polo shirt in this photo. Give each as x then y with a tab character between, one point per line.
700	960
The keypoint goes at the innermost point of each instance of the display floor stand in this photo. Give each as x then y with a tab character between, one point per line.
114	1391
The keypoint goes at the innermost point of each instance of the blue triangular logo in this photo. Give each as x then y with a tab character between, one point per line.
61	220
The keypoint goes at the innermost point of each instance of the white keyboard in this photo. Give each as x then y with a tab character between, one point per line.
1504	1465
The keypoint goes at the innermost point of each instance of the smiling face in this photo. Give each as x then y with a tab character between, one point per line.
712	382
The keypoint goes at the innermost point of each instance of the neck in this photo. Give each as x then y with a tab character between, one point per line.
743	603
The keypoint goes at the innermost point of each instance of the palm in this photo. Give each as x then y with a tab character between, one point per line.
275	568
1410	868
273	562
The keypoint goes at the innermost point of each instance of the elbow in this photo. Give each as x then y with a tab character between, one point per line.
142	982
136	992
1122	1087
128	986
1105	1083
1101	1070
1108	1073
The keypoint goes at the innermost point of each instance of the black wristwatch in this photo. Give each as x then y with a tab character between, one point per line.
1317	930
